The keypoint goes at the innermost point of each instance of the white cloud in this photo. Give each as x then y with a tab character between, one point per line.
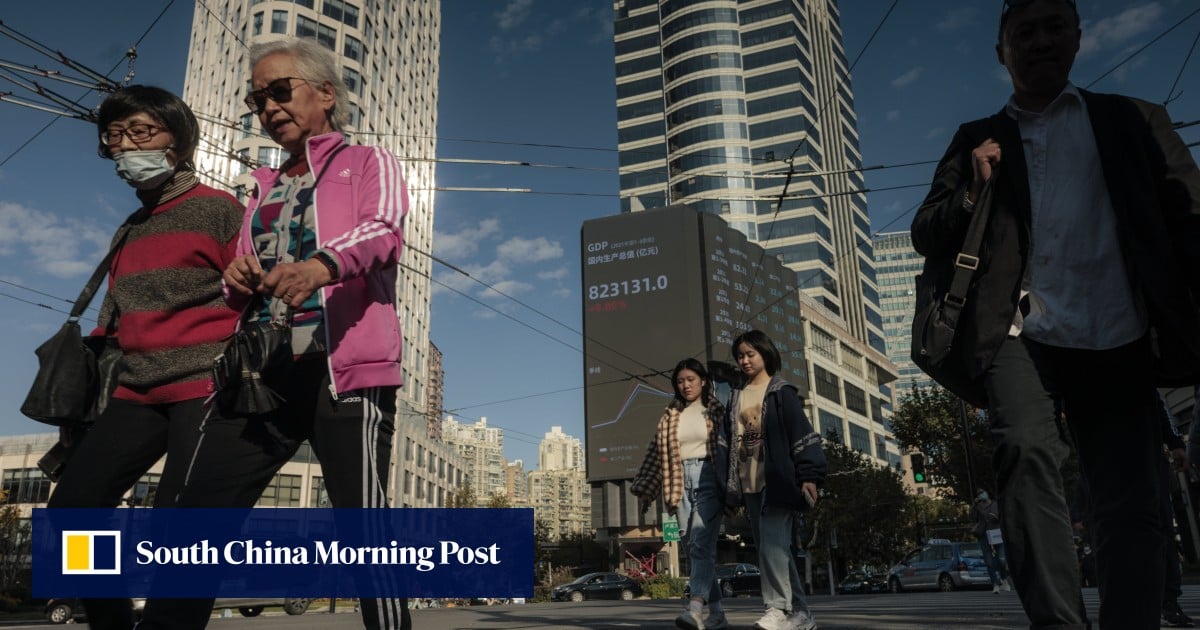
892	115
1122	73
561	292
1113	31
935	132
61	247
513	14
522	250
907	77
557	274
956	19
455	245
505	48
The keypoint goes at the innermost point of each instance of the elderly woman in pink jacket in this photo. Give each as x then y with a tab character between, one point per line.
319	244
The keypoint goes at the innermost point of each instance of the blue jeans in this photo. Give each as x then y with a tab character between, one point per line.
699	525
994	561
782	587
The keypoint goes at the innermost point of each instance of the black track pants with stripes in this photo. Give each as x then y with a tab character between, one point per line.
236	459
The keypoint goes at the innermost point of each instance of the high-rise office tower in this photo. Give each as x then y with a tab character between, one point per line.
388	50
717	101
898	265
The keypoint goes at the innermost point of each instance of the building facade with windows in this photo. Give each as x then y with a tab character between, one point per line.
726	105
388	51
558	450
481	449
898	265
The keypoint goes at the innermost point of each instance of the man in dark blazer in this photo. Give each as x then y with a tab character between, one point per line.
1085	296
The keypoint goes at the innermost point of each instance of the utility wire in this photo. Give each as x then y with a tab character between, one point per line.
103	78
1139	50
223	24
1171	95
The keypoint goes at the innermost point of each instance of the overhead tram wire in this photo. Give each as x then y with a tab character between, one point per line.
808	129
44	294
5	30
1171	95
801	197
1139	50
639	377
223	24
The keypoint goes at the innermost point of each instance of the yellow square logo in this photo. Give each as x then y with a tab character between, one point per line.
96	552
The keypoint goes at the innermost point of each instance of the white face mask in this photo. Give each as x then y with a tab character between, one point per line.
144	170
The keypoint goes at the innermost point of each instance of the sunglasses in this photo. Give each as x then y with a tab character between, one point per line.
279	90
1016	4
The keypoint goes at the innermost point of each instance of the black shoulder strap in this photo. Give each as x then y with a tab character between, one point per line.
93	283
967	260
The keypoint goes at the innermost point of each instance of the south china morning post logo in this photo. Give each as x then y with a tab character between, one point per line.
259	552
91	552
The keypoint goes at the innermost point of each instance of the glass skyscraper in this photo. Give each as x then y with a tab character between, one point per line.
717	101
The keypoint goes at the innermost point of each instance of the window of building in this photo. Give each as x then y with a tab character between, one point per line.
353	80
279	21
860	439
305	27
327	37
856	399
308	4
283	491
824	344
826	384
831	426
25	485
269	156
339	10
258	24
145	490
352	48
319	497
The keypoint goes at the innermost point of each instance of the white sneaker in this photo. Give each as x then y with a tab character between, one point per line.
716	621
800	620
689	620
1006	585
774	619
995	588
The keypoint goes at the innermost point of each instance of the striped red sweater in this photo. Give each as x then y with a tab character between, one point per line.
165	286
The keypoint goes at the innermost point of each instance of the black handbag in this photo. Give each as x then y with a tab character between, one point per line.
254	366
941	292
76	374
257	361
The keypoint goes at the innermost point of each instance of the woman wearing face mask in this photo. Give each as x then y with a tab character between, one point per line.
165	306
775	466
686	462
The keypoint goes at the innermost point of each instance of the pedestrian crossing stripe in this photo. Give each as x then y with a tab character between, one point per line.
91	552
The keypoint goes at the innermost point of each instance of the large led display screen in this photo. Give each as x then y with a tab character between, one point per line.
643	311
746	290
659	286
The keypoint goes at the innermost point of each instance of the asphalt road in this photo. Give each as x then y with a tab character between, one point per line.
970	610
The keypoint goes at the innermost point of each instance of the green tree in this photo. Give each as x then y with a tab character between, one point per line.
498	501
864	507
14	545
462	497
930	420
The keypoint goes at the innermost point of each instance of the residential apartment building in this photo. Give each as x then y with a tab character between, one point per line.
562	499
482	451
516	482
388	51
898	265
437	384
558	451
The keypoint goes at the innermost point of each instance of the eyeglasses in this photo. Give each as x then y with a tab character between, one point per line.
137	132
279	90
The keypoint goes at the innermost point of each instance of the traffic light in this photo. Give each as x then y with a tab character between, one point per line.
918	467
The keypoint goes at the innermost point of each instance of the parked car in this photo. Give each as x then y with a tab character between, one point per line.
941	565
65	609
597	586
859	582
738	578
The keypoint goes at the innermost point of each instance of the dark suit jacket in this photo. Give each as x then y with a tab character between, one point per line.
1155	190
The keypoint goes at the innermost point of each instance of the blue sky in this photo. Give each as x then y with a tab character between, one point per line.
516	73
